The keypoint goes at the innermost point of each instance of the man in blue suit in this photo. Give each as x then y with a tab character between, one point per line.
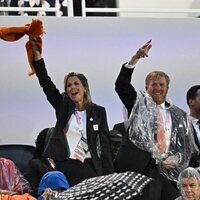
158	141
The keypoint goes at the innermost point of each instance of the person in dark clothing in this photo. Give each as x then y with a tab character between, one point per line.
158	142
39	164
120	127
116	135
193	101
80	143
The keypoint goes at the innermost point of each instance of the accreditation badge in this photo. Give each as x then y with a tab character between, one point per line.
81	149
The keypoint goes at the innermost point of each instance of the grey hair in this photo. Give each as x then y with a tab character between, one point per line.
188	173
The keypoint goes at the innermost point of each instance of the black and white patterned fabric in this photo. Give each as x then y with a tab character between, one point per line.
114	186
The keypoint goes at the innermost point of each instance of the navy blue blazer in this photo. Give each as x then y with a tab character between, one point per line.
57	147
130	157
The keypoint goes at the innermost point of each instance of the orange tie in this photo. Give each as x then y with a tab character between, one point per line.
161	140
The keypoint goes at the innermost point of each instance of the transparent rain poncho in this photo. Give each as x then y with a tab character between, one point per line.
11	178
189	172
143	124
189	178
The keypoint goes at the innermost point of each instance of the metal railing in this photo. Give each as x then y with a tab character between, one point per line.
30	9
85	10
55	9
141	10
138	10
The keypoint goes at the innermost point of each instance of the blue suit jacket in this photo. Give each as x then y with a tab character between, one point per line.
57	147
132	158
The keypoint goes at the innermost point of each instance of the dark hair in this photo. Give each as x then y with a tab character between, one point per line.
87	97
41	142
156	74
192	93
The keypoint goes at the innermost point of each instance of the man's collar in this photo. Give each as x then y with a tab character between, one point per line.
165	105
193	119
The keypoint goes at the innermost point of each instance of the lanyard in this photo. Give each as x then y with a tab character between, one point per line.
78	120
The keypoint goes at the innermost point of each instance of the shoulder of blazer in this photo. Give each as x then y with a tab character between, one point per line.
99	107
95	111
178	112
95	108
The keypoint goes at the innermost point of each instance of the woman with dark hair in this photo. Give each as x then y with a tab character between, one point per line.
39	164
80	143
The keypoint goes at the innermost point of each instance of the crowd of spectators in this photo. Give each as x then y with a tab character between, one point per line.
159	140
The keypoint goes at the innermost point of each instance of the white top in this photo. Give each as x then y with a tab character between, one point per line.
76	128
